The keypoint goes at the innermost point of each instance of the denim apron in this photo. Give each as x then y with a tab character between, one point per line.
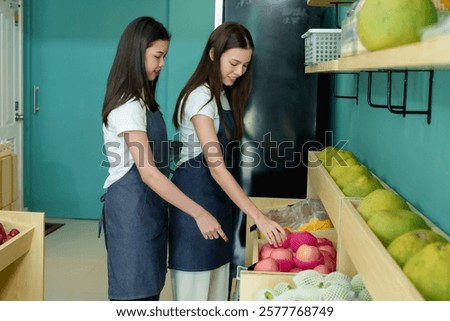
135	223
188	250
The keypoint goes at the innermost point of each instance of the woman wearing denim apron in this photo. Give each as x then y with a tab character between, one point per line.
208	115
135	140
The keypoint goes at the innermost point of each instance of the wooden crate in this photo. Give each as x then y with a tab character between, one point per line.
251	282
22	257
13	249
261	203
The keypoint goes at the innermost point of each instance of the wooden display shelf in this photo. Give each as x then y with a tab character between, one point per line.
381	274
321	186
429	54
22	257
358	248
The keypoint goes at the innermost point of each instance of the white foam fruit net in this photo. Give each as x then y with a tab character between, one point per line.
311	285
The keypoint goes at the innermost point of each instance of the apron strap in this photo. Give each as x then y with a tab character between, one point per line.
100	221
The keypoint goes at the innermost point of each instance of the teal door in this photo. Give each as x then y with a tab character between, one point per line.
69	48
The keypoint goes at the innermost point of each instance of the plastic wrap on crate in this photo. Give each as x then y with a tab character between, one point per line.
350	43
305	215
322	45
441	28
443	8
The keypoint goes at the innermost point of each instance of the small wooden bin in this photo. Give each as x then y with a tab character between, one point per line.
251	282
13	249
22	257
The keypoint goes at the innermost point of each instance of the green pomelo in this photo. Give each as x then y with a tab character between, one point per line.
345	154
405	246
362	186
331	156
351	174
429	271
340	168
337	162
387	225
380	199
325	153
384	24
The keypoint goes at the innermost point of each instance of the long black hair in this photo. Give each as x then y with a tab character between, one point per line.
227	36
128	78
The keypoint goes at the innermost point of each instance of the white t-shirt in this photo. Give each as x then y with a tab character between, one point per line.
195	105
130	116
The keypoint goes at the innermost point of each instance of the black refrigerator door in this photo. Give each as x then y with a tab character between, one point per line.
281	115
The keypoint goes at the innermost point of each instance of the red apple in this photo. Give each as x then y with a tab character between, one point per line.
283	257
295	269
13	232
308	257
7	238
267	265
328	248
308	253
281	254
323	241
3	234
287	242
329	261
300	238
265	251
322	268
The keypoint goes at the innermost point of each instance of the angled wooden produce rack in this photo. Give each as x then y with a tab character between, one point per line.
358	248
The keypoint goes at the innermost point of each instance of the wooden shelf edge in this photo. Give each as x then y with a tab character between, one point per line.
326	3
13	249
325	187
430	54
382	276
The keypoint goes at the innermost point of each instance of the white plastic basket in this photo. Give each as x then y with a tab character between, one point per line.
322	45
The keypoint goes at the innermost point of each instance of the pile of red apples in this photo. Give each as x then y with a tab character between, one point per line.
300	251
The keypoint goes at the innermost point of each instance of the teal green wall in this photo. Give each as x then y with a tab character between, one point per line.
190	23
74	42
408	154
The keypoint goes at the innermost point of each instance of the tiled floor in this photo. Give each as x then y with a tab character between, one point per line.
75	263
